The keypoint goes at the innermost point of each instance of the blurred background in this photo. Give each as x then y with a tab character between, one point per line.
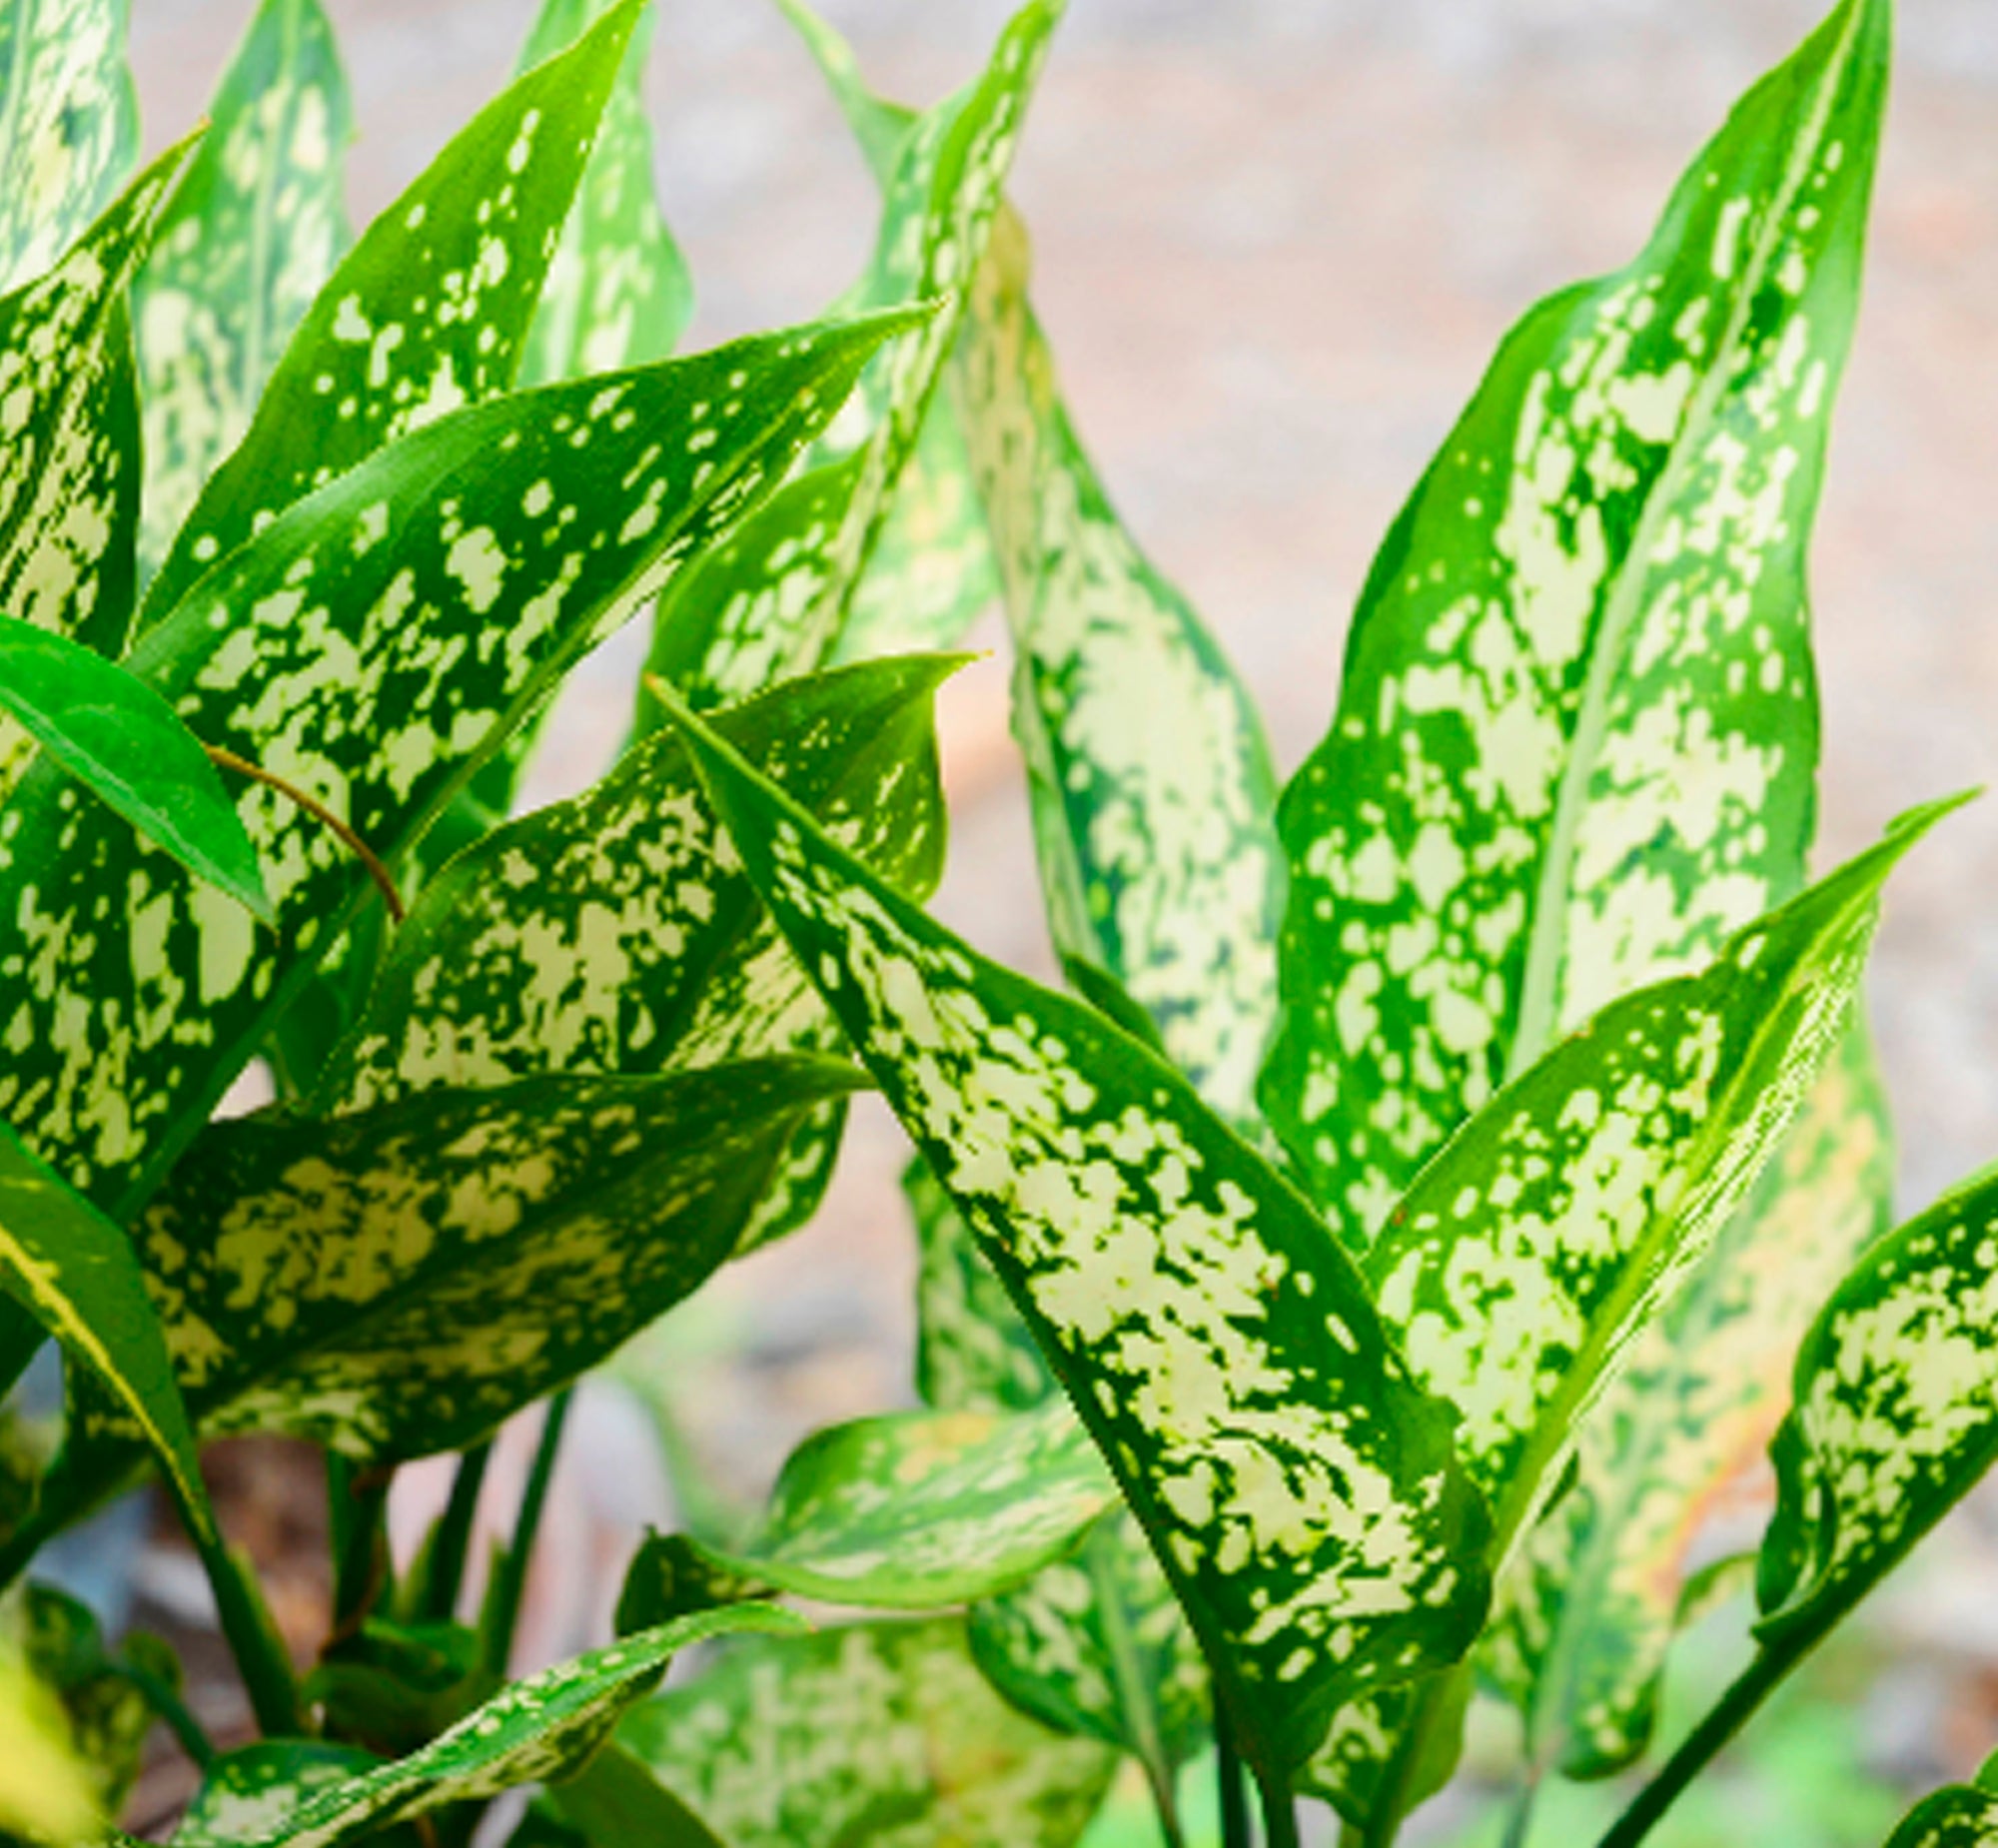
1276	241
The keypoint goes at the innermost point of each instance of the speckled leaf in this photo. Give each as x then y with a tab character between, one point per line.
253	231
1155	800
1578	729
398	1282
246	1793
619	292
879	1735
44	1790
61	1640
429	311
1598	1594
879	126
69	125
605	934
1892	1418
1957	1816
1527	1257
777	605
538	1729
916	1510
1396	1747
121	740
374	677
1301	1491
69	440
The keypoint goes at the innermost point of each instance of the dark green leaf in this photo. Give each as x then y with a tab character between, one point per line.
616	1803
1960	1816
1301	1491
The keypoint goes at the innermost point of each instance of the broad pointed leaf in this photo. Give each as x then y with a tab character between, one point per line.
1957	1816
69	125
879	1734
398	1282
540	1728
246	1793
255	227
428	312
376	678
1577	727
119	738
614	1800
1302	1493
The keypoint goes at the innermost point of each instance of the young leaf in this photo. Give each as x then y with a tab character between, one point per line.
917	1510
1302	1493
1598	1595
619	292
872	1734
1578	729
121	740
396	1282
374	677
776	606
429	311
252	231
69	125
1153	798
605	935
541	1728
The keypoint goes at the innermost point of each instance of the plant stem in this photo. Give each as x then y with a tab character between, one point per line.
356	1501
1280	1814
179	1719
509	1577
318	810
444	1570
1232	1786
252	1638
1722	1721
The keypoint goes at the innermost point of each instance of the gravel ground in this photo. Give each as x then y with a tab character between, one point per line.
1276	241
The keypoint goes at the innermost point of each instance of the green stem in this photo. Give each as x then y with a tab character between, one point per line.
1232	1786
179	1719
1723	1720
1280	1814
444	1570
252	1635
509	1577
357	1507
1519	1824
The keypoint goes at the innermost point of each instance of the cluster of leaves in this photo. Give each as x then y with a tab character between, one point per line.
1447	1172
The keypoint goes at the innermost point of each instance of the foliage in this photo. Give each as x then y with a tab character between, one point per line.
1448	1168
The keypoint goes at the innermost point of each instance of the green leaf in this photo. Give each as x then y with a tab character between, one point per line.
255	227
619	292
121	740
428	312
879	1734
376	677
397	1282
44	1790
541	1728
775	604
916	1510
615	1803
1153	798
1302	1493
108	1717
69	125
1590	1612
246	1793
608	934
1578	729
1957	1816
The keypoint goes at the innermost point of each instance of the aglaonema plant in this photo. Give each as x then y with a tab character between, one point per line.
1448	1168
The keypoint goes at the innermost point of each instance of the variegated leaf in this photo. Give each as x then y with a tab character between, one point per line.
375	677
69	125
68	438
619	292
608	934
253	231
1600	1592
776	606
1528	1256
1957	1816
62	1644
1302	1493
246	1793
916	1510
428	312
1390	1751
1577	728
1155	800
879	126
880	1734
397	1282
44	1787
541	1728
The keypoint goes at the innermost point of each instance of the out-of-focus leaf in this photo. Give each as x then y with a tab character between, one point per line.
252	234
615	1802
1303	1494
1578	729
107	1717
397	1282
69	125
875	1734
375	677
1600	1592
44	1790
428	312
121	740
